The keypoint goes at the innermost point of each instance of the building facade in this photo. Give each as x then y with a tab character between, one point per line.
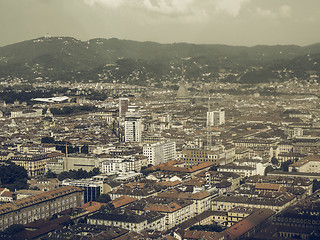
133	127
123	106
160	152
45	205
216	118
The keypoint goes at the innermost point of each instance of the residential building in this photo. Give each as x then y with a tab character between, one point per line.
125	219
123	107
40	206
160	152
133	127
219	155
216	118
35	164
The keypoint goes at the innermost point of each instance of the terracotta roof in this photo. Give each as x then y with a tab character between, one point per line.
239	229
248	223
28	201
92	206
170	183
201	235
123	200
171	207
6	194
268	186
136	185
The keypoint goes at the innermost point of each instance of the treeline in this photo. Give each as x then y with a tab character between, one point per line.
63	145
78	174
209	228
25	94
70	110
13	177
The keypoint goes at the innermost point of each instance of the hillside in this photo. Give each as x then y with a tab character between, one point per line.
65	59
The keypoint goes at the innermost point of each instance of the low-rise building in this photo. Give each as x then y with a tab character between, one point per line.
128	220
245	171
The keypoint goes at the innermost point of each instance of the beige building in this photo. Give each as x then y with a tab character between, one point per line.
202	200
130	221
307	165
35	164
218	156
44	205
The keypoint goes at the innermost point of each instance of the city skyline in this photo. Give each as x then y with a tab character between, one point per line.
230	22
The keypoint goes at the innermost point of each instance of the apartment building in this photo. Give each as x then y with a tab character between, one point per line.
35	164
219	155
125	219
202	200
309	164
176	211
26	210
160	152
216	118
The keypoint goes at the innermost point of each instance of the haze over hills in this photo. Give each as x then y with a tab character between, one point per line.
145	63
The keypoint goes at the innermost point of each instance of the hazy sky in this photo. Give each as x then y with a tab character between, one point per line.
232	22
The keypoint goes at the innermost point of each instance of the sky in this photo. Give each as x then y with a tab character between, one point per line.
230	22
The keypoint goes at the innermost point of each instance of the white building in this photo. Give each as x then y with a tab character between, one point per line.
121	165
216	118
294	132
133	127
160	152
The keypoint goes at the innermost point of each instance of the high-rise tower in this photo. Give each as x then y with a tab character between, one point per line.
216	118
133	127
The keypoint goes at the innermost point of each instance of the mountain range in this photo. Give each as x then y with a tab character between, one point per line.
115	60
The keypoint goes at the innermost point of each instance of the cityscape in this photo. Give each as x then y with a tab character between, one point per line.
119	139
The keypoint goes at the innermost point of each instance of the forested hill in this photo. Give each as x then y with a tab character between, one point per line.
66	58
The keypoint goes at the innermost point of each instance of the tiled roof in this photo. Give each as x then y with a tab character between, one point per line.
25	202
268	186
123	200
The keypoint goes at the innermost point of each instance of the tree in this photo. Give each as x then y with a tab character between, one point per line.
13	176
267	170
47	140
50	174
213	168
95	171
68	223
285	165
103	198
274	161
210	228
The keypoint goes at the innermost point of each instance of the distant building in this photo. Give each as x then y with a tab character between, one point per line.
35	164
133	127
294	132
182	91
123	106
160	152
219	155
92	189
216	118
129	220
117	164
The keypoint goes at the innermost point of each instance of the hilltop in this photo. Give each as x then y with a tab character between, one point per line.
145	63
